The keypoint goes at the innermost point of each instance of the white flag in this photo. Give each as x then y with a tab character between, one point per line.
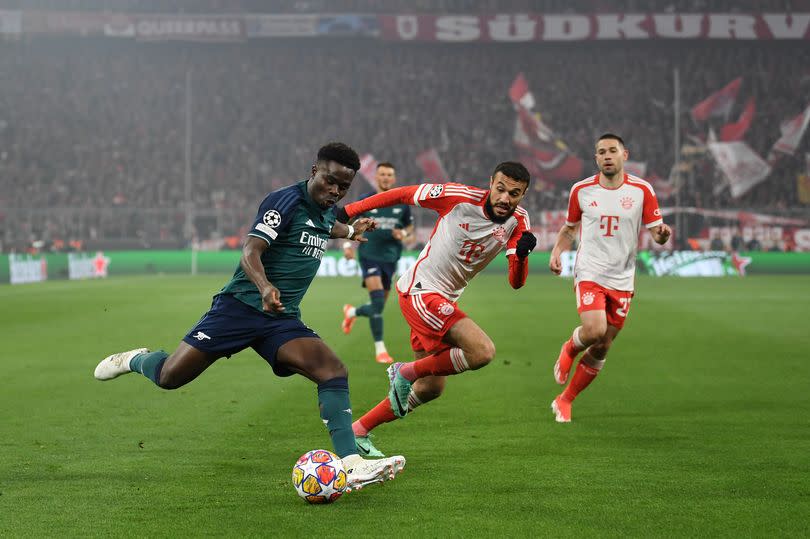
792	133
368	168
741	166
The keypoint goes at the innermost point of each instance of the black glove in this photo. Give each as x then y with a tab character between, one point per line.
342	215
525	244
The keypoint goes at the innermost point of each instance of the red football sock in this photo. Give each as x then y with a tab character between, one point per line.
583	376
378	415
445	363
571	348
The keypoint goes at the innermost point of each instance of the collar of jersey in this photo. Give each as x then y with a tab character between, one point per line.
308	199
311	203
599	183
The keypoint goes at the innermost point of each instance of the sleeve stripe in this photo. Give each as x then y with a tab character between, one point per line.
287	201
465	189
462	195
262	237
418	195
455	191
510	251
520	211
655	223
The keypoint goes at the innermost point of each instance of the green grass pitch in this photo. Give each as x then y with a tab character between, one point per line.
699	424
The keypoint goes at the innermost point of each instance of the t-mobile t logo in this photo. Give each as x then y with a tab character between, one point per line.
610	224
470	250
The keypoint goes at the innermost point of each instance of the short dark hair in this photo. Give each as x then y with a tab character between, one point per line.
386	164
612	136
514	170
340	153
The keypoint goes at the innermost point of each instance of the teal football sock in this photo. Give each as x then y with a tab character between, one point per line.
336	412
149	364
376	320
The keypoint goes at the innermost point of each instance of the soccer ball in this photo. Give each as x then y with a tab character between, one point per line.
318	476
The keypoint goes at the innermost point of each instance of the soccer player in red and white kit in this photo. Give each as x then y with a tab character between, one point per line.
474	225
609	209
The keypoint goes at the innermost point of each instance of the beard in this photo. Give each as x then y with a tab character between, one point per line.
495	218
610	175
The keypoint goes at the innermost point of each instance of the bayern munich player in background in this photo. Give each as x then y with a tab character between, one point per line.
609	209
474	225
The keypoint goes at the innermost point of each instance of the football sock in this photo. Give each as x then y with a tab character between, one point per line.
364	310
336	412
379	347
445	363
587	369
376	320
574	345
413	401
378	415
149	364
351	312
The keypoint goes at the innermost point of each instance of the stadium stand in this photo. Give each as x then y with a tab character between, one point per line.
92	130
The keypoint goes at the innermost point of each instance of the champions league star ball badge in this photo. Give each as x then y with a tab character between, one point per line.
272	218
435	191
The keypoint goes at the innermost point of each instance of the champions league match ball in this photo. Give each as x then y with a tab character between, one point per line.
318	476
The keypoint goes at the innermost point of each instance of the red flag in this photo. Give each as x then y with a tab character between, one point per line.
540	149
736	130
431	166
545	155
519	92
719	103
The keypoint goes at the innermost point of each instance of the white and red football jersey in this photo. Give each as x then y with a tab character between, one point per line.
464	240
611	221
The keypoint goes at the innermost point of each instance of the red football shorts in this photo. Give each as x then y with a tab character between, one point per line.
595	297
430	316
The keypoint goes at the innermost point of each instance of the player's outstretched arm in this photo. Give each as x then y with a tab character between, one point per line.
392	197
661	233
565	239
353	231
251	263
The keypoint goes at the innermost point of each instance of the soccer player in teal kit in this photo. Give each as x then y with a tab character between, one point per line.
259	307
378	260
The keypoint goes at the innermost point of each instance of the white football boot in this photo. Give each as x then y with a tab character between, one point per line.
361	472
117	364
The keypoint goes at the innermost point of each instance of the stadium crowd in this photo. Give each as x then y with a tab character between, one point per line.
92	131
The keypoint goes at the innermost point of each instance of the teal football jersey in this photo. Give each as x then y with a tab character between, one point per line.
297	231
381	245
